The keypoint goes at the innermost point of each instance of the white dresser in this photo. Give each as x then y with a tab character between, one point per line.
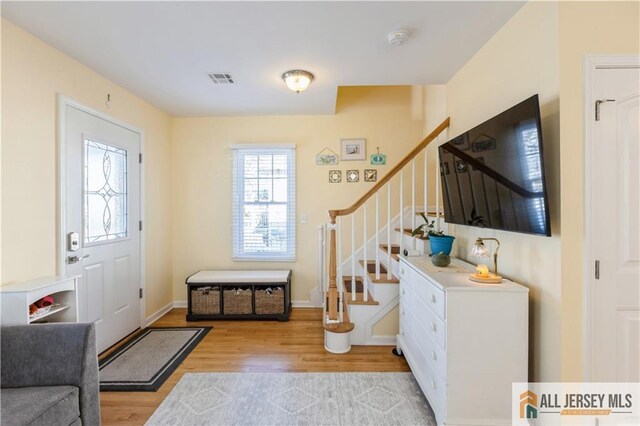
465	342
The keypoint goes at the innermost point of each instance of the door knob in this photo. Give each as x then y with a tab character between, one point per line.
76	259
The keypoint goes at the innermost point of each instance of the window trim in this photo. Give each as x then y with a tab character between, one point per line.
239	150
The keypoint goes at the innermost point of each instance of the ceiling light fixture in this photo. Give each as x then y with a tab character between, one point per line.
297	80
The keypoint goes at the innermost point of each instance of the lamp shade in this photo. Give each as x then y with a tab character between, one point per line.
479	249
297	80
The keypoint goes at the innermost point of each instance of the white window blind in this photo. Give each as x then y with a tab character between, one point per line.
264	203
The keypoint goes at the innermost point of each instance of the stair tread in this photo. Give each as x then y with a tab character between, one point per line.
383	273
408	232
359	284
341	327
359	299
346	325
372	266
383	279
395	248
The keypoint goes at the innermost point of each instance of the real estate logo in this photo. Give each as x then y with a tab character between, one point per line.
528	405
576	404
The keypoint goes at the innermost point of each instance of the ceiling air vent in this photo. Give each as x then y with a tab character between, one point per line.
221	78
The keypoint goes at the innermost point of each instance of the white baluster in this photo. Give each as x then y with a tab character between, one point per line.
389	230
377	238
426	182
364	254
413	203
401	210
339	273
437	181
321	251
339	256
353	257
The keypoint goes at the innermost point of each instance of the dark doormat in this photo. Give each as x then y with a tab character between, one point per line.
145	361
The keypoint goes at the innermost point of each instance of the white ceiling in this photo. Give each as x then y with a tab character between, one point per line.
162	51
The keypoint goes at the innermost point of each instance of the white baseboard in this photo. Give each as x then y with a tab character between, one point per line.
381	341
303	304
158	314
179	303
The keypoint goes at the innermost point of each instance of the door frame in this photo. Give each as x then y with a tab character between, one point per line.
63	103
592	63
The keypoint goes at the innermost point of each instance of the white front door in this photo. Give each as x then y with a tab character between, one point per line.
101	182
614	232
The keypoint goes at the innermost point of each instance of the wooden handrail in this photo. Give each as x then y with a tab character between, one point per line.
422	145
333	315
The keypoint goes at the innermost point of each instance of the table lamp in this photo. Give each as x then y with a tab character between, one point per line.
479	249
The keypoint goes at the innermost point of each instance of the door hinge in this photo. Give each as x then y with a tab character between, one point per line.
598	102
140	292
140	226
597	269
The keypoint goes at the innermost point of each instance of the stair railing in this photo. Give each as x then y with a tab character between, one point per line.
334	299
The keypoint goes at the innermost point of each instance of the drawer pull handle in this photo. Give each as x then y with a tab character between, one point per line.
402	271
434	384
433	298
433	327
435	357
402	312
403	291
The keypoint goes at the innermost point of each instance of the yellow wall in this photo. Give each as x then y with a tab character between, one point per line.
519	61
202	175
32	74
585	28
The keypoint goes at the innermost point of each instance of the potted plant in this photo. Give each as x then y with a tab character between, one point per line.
437	240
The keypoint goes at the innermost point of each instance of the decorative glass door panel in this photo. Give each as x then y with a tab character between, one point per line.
105	192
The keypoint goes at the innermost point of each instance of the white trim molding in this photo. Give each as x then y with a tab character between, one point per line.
591	64
158	314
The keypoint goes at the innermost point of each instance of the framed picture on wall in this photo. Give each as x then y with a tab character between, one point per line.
353	149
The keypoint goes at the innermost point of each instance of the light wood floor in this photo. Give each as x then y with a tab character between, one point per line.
296	345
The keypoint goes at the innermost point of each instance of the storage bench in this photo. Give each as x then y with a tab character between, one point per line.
239	295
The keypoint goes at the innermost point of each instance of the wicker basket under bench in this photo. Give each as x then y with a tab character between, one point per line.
239	295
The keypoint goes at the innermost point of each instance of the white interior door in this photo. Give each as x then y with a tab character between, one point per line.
614	231
102	207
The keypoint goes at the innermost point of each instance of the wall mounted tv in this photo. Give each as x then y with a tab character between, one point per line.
493	175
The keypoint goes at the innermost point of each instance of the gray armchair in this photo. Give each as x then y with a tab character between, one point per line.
49	375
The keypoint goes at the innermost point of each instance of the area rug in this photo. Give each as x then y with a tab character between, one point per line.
148	359
294	399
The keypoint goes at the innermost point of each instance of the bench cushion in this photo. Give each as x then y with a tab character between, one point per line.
276	276
42	405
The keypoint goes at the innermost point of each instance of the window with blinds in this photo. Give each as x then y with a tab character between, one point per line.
264	203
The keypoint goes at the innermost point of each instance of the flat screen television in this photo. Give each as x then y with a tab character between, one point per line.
493	175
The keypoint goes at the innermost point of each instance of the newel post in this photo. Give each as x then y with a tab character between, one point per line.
333	288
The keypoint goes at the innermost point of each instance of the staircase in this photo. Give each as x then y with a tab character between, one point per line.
357	297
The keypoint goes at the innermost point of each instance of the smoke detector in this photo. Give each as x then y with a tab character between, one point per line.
398	37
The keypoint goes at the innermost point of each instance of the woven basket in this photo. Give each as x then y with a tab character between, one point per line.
270	302
205	300
238	301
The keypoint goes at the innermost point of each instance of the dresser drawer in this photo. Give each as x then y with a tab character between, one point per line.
433	352
431	326
432	385
432	296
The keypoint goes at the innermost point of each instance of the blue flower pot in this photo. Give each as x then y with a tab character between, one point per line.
443	243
